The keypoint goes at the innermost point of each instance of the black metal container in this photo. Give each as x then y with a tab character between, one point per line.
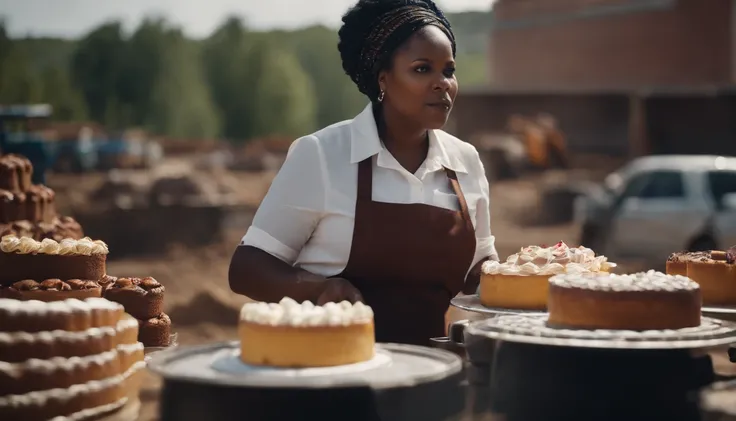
535	382
416	384
539	373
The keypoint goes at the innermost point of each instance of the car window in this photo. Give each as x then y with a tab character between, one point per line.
663	185
721	183
636	185
633	188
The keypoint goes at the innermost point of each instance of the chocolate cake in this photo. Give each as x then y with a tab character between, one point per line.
143	298
58	229
51	290
35	205
155	331
28	210
107	281
24	258
15	173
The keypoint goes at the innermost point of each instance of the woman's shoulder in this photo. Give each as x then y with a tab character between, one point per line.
328	144
337	132
457	147
327	137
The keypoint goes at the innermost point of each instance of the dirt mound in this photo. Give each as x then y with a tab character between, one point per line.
211	306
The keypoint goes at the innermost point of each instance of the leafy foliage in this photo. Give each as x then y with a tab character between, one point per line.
237	83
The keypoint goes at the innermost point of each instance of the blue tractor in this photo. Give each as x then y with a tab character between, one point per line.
18	127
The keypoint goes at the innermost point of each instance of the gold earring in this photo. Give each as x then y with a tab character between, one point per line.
381	95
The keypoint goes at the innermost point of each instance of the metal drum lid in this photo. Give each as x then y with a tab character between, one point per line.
394	365
532	329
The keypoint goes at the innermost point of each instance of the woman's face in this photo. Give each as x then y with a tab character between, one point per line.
421	85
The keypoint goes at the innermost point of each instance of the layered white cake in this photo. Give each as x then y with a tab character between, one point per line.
63	359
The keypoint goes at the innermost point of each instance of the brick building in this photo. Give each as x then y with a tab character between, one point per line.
621	76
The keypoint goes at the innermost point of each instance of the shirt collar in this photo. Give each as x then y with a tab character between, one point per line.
364	143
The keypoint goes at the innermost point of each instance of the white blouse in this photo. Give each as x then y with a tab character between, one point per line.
307	216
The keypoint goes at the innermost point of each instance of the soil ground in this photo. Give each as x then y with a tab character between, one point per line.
203	308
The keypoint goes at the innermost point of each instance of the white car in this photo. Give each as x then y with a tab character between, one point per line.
657	205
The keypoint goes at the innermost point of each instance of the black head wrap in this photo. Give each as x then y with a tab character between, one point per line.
372	31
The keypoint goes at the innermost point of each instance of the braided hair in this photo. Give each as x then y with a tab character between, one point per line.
373	30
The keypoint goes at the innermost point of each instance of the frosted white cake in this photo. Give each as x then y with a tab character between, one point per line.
289	334
288	312
641	301
535	260
521	282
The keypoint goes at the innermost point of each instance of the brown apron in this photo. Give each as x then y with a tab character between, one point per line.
408	261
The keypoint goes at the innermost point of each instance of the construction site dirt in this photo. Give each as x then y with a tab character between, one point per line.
193	261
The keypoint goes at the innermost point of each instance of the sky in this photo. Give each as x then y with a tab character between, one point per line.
73	18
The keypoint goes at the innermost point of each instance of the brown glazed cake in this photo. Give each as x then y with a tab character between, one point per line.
677	262
34	205
715	272
40	204
69	364
641	301
51	290
15	173
143	298
25	258
28	210
155	331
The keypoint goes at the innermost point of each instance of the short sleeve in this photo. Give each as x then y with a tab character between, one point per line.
294	204
485	241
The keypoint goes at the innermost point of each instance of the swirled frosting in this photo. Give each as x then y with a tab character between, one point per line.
290	313
66	247
641	281
558	259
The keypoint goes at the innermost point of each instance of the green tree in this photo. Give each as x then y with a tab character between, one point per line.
144	57
227	63
337	97
68	103
181	105
284	95
18	82
97	64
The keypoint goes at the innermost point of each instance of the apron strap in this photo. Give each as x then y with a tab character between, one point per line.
452	176
365	180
